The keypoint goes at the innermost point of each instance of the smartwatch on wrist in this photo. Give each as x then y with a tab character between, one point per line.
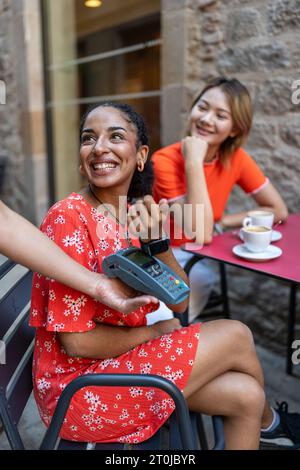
154	247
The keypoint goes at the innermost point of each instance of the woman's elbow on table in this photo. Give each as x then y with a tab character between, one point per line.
281	215
204	238
208	239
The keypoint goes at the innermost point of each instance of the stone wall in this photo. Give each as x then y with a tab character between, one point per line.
11	144
21	117
257	42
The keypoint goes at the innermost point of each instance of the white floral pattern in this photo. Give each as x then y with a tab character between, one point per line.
99	414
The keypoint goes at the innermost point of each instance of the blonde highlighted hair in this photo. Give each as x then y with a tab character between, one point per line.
240	104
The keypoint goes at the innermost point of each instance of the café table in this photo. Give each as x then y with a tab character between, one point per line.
284	268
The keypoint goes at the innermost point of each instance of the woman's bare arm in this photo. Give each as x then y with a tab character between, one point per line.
25	244
267	199
194	151
106	341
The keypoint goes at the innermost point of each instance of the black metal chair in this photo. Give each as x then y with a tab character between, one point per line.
16	379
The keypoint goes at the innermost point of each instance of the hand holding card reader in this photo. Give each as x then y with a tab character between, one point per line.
146	274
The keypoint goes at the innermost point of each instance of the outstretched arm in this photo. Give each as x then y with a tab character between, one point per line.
267	199
25	244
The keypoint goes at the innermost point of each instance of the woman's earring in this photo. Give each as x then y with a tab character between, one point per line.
140	166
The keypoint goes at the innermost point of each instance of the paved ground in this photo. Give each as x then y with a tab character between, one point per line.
279	387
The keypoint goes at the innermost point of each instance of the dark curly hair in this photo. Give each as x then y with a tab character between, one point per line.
141	183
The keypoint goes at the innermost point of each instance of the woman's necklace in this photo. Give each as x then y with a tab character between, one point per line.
127	236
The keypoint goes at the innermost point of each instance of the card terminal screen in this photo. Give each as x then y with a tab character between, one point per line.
140	258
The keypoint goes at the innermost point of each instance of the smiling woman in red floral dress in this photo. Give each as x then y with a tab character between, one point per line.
214	364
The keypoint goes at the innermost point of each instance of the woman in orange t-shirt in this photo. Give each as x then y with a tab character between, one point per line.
203	169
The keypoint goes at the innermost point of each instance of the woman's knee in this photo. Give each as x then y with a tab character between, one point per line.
242	353
226	337
250	397
224	345
241	335
237	345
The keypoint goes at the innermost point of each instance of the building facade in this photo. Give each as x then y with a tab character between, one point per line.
57	57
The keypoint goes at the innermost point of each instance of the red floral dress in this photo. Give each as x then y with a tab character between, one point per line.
99	414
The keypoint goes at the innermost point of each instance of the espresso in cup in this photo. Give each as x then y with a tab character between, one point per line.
254	228
259	219
256	238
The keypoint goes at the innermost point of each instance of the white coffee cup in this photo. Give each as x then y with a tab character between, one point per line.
256	238
259	218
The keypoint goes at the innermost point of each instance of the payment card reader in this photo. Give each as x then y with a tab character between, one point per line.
146	274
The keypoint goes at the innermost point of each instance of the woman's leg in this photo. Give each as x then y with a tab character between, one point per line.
227	346
239	399
224	345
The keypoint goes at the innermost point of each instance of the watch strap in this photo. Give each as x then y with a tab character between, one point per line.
154	247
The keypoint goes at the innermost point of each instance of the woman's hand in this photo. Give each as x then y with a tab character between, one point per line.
117	295
165	327
146	218
194	149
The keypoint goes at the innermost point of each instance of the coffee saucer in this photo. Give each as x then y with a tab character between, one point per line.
275	235
270	253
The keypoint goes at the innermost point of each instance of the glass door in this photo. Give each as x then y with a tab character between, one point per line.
90	57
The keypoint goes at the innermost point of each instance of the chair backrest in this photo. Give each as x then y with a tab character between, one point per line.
185	440
17	341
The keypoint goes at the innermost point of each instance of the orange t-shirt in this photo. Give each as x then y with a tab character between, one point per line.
170	181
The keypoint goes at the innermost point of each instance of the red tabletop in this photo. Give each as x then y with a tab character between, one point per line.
286	267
